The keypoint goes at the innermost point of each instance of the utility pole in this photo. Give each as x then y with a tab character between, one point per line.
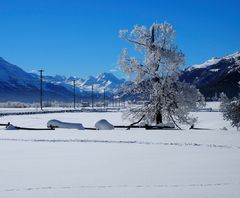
104	98
41	89
74	94
119	100
113	100
92	96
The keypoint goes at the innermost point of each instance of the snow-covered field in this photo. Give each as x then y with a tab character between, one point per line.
119	163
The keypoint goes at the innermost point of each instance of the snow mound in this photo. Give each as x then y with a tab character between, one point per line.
66	125
103	125
10	127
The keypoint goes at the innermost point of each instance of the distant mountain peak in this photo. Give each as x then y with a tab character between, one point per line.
107	76
89	81
211	61
214	61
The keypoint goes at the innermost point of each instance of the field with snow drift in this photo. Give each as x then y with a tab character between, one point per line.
118	163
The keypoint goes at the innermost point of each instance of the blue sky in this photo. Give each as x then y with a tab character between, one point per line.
80	38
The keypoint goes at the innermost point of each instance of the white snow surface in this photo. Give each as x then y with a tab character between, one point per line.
118	163
214	70
214	105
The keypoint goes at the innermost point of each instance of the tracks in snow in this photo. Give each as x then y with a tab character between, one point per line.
186	144
119	186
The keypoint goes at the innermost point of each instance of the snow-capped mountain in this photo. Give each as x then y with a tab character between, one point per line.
211	77
106	81
216	75
105	78
18	85
89	81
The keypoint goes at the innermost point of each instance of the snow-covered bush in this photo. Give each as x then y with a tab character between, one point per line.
231	109
155	77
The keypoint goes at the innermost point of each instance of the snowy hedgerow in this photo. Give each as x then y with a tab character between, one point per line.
231	109
155	76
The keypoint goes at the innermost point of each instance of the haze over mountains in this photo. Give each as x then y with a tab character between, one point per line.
212	77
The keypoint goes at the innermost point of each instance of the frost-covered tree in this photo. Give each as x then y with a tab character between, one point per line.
155	76
231	109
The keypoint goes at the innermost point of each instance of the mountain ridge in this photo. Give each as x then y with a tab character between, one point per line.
212	77
215	76
19	85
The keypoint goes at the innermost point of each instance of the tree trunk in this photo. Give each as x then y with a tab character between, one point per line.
158	118
156	78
